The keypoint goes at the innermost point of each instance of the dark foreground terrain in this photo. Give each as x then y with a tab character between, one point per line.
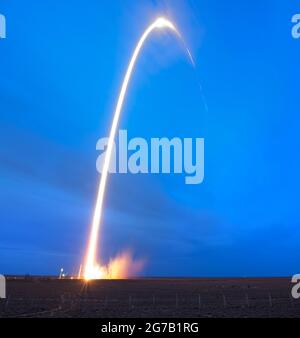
49	297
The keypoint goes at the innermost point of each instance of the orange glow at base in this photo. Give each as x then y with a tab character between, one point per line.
120	267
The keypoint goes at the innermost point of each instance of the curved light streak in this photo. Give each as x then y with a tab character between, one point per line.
92	269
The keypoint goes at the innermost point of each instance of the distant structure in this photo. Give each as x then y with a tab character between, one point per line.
2	27
79	272
61	273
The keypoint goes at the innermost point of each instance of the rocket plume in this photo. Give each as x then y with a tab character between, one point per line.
119	267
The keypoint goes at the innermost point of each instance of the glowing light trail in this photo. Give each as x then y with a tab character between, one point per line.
92	269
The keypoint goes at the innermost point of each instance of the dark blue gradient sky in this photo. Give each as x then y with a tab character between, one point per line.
60	70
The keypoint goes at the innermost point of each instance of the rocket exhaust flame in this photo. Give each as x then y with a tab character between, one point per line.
119	267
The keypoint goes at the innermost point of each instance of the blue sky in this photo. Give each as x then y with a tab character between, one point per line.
61	68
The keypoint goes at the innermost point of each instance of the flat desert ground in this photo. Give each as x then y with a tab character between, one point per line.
151	297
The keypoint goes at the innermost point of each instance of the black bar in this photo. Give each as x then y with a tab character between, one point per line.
138	327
